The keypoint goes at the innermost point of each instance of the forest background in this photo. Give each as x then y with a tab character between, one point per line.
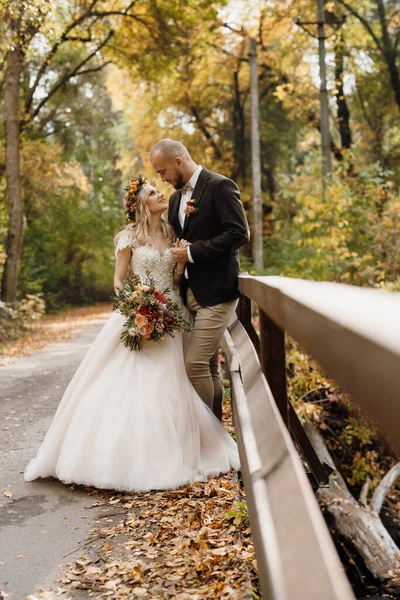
100	81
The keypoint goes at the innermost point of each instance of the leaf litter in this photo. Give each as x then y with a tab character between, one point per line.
193	543
187	544
53	328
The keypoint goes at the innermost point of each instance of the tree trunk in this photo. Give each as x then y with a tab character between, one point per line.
258	250
13	175
394	76
323	96
202	127
343	113
390	52
360	525
239	139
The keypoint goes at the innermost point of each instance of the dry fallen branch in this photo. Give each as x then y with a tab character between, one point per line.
384	487
360	525
363	499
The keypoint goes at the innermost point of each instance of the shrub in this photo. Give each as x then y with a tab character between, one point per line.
17	318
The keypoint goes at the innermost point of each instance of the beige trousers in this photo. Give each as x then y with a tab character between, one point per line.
201	346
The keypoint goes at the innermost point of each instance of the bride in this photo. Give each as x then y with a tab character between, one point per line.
132	420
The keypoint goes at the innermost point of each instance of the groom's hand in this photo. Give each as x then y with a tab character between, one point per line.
180	254
181	243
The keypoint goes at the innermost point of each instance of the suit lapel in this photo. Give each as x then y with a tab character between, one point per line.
198	192
175	201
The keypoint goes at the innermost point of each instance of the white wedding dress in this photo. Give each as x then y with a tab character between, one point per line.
132	420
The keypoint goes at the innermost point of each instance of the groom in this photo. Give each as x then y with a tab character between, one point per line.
215	224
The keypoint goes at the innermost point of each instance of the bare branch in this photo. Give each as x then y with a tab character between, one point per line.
94	70
88	14
393	15
304	28
387	43
384	487
364	22
363	499
216	47
70	74
240	29
130	56
202	127
54	49
78	38
260	28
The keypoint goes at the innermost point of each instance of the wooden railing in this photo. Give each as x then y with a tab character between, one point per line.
354	334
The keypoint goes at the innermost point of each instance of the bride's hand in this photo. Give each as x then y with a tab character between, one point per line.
180	253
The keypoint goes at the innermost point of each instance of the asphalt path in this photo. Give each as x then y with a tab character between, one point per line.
44	523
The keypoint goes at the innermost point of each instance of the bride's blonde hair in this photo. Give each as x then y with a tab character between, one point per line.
140	226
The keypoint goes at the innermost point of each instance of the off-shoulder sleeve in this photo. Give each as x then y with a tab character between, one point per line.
124	241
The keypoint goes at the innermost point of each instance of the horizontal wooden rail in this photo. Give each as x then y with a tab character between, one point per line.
354	333
296	557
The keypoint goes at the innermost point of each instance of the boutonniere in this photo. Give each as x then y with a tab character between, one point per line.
190	207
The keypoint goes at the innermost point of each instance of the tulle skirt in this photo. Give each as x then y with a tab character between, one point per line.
133	421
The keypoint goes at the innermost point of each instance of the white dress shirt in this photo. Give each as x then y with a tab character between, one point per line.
185	197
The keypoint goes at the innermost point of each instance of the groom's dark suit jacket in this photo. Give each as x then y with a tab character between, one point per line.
216	231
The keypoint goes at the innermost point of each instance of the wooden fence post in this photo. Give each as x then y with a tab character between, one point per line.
273	362
243	312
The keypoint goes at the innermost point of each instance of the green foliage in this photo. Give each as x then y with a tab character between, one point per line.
240	513
68	250
352	236
73	198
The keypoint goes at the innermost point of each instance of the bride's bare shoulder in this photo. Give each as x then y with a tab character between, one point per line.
129	230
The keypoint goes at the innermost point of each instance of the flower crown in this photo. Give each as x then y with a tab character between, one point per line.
135	185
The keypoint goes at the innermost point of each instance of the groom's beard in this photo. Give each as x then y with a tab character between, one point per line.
180	182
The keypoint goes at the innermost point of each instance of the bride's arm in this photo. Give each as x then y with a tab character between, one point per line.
178	272
121	267
180	266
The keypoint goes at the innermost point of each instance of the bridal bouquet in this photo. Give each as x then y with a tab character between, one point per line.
150	314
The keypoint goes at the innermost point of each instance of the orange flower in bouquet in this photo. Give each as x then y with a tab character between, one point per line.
150	314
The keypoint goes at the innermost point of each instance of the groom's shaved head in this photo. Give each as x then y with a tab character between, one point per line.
170	149
171	160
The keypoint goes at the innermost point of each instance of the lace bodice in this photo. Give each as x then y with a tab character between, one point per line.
147	261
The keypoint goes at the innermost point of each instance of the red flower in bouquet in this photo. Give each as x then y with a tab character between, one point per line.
161	297
150	314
